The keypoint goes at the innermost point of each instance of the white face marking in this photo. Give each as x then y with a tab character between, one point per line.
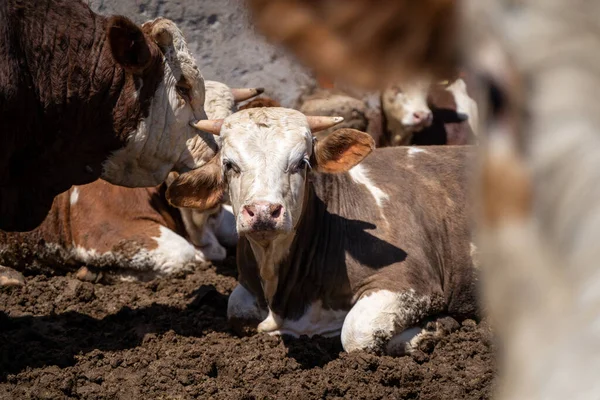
360	175
464	103
74	195
165	140
400	106
267	146
377	317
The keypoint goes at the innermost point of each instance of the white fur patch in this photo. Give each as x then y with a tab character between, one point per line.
173	251
315	321
359	175
74	195
376	318
173	254
412	150
219	101
465	104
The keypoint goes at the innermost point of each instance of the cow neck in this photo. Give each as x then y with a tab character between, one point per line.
269	258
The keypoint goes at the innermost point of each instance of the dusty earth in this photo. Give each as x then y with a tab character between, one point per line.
169	339
224	42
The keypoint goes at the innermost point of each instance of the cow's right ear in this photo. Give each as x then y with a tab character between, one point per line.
202	188
128	44
342	150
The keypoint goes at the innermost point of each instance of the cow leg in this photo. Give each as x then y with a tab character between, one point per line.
379	316
243	309
10	277
417	338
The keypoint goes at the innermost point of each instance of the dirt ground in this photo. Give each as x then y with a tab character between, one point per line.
169	339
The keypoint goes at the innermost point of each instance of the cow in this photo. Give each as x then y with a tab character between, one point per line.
536	188
262	101
331	242
108	232
333	103
84	96
221	100
421	113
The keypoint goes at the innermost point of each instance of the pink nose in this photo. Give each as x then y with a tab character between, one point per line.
262	215
421	116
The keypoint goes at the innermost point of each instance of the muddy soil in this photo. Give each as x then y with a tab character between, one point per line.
169	339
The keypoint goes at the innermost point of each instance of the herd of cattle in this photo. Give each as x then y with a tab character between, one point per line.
334	236
129	165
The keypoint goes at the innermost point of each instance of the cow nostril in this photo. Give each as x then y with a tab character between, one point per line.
276	210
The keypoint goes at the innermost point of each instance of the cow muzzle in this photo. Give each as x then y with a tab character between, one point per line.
262	220
418	120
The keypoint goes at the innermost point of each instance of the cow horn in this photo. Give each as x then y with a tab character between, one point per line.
242	94
209	125
317	124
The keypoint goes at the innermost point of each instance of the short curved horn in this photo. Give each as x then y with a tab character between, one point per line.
242	94
317	124
209	125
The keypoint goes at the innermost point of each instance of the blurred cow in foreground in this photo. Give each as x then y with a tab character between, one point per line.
539	170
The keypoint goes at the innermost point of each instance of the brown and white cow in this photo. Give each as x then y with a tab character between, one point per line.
127	233
420	112
330	241
84	96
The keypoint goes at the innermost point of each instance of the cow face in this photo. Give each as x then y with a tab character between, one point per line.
407	107
266	155
163	139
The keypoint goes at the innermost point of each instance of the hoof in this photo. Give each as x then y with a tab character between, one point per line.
10	278
84	274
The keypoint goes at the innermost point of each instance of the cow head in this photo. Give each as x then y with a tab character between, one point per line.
168	88
405	107
264	162
221	99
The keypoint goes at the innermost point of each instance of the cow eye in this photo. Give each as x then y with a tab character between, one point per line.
300	165
184	89
229	165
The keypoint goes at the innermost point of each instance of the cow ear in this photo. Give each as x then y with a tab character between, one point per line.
202	188
342	150
128	44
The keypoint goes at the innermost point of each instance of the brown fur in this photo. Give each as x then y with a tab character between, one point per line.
260	102
57	67
202	188
342	150
120	227
345	247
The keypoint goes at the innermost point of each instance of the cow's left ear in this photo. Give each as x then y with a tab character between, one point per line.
342	150
202	188
128	44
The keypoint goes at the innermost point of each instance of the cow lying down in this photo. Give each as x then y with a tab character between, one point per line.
335	242
126	233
